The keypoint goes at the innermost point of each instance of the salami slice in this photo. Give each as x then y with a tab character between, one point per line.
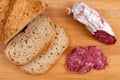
97	25
100	60
84	59
76	59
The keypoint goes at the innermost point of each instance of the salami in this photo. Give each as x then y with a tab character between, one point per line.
76	59
97	25
105	37
82	60
100	60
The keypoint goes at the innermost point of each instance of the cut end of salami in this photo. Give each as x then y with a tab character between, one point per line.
82	60
105	37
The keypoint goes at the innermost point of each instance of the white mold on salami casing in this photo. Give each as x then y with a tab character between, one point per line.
94	22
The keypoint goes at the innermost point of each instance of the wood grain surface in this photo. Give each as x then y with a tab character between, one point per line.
79	36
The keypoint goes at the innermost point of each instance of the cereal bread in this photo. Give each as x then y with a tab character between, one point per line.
45	62
32	42
5	8
22	13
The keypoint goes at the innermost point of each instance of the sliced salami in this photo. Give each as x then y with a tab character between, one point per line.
100	60
84	59
97	25
76	59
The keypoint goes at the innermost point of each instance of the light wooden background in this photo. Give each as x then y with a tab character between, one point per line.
79	36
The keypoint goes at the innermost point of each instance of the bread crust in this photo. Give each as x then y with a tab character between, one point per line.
5	8
22	13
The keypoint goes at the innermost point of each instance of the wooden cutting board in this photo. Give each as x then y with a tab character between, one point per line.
79	36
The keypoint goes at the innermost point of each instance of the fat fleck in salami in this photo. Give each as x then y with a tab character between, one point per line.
94	23
84	59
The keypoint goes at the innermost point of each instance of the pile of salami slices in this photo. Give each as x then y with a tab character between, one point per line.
84	59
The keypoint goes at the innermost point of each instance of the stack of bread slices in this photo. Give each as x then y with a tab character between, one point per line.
33	42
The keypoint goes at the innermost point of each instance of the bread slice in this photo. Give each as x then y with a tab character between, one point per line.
32	42
22	13
45	62
5	8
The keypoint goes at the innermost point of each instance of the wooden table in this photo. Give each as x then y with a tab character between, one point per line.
79	36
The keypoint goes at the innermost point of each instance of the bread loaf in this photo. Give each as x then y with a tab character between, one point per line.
22	13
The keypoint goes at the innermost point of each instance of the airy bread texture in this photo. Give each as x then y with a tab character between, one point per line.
5	8
32	42
45	62
22	13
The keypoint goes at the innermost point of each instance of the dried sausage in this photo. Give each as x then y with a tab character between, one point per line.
97	25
